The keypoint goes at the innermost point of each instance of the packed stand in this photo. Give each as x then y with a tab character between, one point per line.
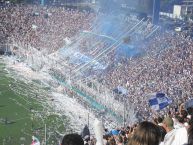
166	67
41	27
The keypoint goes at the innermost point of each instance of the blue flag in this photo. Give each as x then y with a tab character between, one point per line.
159	101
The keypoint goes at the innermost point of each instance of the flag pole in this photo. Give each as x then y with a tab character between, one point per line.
88	119
124	114
45	134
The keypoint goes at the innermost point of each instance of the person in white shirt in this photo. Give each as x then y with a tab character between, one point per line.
174	136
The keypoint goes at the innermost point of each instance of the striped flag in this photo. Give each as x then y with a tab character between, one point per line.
159	101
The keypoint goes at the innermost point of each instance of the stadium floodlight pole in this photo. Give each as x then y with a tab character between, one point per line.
153	11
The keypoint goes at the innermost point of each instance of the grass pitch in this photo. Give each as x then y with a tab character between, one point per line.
22	116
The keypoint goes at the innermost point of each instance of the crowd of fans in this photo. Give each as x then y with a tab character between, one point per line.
167	66
171	129
41	27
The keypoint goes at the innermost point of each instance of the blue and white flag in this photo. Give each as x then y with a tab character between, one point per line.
159	101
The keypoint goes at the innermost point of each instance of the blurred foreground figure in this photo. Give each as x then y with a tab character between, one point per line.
72	139
146	133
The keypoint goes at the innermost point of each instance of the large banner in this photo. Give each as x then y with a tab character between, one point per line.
79	58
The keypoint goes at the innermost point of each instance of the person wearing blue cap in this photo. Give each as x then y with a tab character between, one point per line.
114	132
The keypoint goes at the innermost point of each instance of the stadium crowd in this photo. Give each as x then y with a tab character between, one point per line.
166	67
175	128
41	27
172	129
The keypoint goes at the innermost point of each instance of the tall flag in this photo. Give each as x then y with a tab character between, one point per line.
159	101
98	130
85	132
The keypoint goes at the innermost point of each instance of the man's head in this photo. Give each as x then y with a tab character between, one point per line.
72	139
146	133
168	124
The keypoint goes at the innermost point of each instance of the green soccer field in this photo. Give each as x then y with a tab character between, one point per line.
22	115
15	120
